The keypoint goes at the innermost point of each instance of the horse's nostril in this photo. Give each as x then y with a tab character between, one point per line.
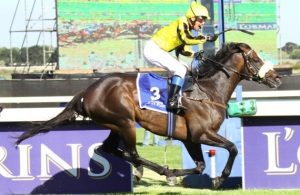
278	79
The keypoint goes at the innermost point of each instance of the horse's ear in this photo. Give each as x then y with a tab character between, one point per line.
243	46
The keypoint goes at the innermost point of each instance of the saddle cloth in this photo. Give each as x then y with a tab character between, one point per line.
152	91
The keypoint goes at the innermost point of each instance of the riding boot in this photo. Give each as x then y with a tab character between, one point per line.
173	101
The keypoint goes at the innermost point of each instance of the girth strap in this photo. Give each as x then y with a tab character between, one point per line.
171	124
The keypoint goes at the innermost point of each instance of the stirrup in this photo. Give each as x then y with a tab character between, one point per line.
175	106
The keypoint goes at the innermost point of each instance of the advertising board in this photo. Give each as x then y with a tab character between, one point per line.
63	161
271	152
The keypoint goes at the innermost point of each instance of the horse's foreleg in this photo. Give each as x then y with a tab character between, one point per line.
214	139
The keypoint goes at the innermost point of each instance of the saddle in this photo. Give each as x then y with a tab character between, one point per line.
153	95
188	84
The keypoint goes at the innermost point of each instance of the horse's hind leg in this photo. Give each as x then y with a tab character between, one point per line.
111	144
195	151
214	139
138	172
130	154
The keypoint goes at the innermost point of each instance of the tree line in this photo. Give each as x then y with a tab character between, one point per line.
292	49
35	56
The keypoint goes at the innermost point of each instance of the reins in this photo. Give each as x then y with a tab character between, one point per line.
250	77
207	101
245	55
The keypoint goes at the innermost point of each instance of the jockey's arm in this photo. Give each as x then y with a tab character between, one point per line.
187	37
184	50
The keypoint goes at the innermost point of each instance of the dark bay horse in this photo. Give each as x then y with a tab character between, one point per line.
112	102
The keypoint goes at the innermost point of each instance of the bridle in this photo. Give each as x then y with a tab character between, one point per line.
251	67
258	74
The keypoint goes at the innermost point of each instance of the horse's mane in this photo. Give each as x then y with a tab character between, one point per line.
207	68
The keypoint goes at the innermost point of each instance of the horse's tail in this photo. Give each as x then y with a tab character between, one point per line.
68	115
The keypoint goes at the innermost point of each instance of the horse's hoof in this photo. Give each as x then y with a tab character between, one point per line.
216	183
172	181
137	175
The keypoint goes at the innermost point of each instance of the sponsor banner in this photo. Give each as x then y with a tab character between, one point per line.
257	26
271	153
61	162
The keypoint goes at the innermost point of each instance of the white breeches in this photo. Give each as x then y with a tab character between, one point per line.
158	57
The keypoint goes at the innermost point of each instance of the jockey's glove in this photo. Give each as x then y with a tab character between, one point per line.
212	38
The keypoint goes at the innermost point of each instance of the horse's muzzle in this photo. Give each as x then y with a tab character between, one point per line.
274	82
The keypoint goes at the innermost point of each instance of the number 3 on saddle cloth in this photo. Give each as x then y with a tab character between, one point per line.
152	91
153	95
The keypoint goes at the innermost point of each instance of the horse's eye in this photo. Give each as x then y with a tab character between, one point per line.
256	60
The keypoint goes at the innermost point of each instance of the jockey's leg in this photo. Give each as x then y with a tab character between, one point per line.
158	57
173	101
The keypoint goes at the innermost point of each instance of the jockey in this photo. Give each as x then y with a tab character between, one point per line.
177	36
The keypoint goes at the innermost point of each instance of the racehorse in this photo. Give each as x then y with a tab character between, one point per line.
83	36
64	38
112	102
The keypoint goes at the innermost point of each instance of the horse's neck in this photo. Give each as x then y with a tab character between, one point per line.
220	87
229	85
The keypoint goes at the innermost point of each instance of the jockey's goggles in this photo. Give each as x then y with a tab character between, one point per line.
201	19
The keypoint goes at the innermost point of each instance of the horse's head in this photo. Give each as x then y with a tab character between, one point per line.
256	69
240	59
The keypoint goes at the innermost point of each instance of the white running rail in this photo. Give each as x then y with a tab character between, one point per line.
269	103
